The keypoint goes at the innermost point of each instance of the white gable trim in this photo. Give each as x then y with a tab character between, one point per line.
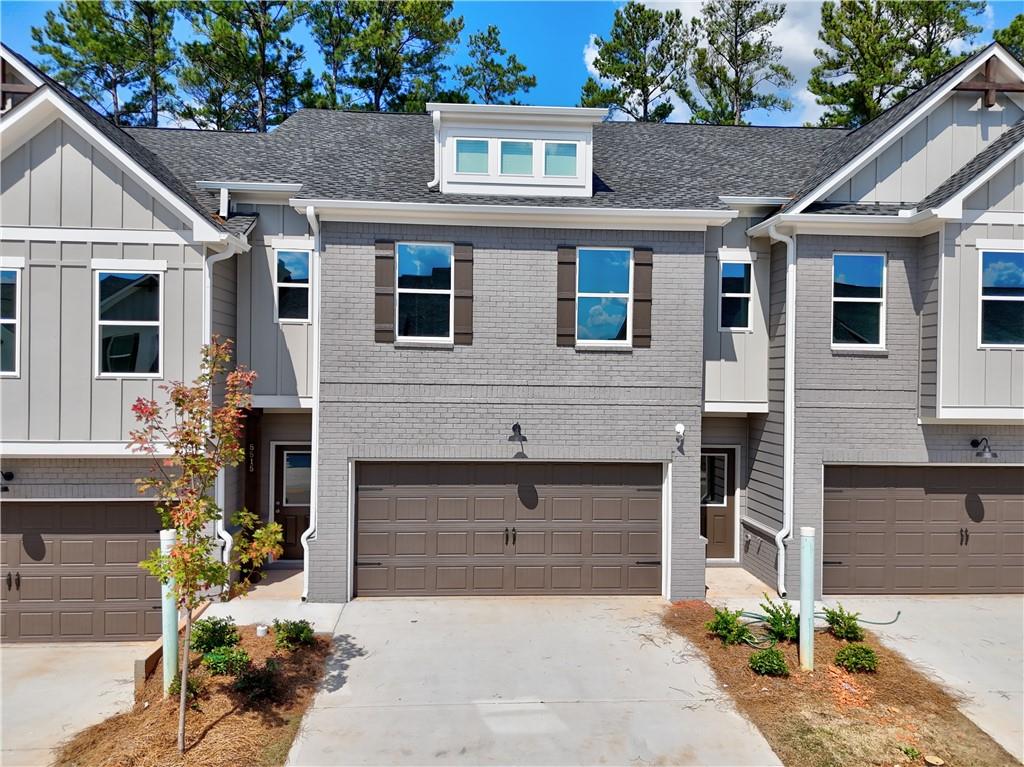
44	106
18	66
954	206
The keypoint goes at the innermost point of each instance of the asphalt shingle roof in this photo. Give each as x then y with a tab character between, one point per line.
859	208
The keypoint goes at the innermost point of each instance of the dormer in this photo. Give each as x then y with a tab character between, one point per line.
514	150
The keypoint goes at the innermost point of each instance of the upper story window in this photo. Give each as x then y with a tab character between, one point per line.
1002	298
734	296
472	156
424	285
858	300
129	310
517	158
292	285
10	320
560	159
604	296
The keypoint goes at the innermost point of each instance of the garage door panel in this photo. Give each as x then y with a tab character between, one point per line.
452	543
36	588
644	509
489	509
532	542
453	509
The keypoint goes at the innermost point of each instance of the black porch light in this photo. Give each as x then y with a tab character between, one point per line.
517	434
984	451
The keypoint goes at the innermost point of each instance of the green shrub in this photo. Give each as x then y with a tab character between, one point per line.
289	635
843	624
259	683
211	633
727	627
857	657
782	623
227	661
910	752
769	662
196	687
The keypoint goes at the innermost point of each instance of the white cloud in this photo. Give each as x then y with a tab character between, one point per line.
589	54
806	108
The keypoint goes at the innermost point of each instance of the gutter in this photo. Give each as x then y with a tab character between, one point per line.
789	408
314	440
905	217
436	120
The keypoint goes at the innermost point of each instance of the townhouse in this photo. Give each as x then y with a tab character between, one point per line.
521	350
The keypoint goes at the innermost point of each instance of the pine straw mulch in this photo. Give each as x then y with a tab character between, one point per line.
832	718
225	731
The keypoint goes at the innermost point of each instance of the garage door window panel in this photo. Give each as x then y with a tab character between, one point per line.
424	287
604	291
129	310
1002	299
858	301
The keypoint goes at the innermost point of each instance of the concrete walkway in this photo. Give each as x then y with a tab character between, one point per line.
517	680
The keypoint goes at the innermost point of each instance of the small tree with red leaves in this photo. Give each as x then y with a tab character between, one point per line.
203	438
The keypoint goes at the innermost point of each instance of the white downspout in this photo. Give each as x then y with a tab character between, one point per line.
314	227
436	119
789	407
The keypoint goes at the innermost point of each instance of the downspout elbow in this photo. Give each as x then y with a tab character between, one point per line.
436	119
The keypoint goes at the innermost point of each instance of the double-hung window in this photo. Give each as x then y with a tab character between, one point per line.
292	285
858	300
129	308
604	296
424	287
1002	298
734	301
10	320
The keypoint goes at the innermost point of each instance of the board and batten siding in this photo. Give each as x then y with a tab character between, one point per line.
281	354
931	151
929	258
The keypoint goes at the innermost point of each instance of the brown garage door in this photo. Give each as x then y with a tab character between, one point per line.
508	529
923	530
70	571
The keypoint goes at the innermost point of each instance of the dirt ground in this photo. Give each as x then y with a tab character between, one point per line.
832	718
221	730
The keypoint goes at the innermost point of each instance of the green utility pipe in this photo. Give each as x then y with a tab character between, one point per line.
169	612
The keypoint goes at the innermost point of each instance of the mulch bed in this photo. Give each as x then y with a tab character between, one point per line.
224	731
832	718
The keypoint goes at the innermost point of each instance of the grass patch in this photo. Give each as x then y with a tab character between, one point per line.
832	718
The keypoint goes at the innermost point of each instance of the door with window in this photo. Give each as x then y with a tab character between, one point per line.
718	501
292	472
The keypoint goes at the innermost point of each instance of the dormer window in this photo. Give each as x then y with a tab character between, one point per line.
471	156
517	158
559	159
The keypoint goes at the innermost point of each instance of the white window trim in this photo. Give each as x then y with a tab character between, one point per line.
749	295
594	343
159	323
450	292
543	158
705	453
284	475
493	173
982	250
308	286
8	266
533	157
847	299
473	173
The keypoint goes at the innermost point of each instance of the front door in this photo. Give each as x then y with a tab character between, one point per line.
718	501
291	495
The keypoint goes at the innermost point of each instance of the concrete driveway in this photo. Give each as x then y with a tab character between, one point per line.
517	680
48	692
973	645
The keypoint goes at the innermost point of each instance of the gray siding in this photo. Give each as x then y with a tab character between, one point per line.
293	428
935	148
929	259
1004	191
75	478
383	402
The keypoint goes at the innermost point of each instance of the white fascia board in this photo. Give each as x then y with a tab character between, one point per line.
990	415
16	64
70	234
752	201
953	208
510	111
250	186
835	223
39	109
736	407
514	215
877	147
74	450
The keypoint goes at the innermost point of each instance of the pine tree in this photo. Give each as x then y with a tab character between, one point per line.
1012	37
737	58
150	27
494	75
331	28
643	61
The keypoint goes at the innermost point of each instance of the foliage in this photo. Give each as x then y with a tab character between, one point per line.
641	64
195	687
259	683
289	635
331	29
149	31
782	623
909	751
857	657
874	52
231	661
493	75
769	662
843	624
211	633
727	627
736	59
1012	36
255	543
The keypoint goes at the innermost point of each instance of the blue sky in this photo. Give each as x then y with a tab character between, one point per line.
554	40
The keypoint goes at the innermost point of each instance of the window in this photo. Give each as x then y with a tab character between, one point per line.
604	286
128	323
714	470
517	158
292	285
858	300
424	288
10	308
1002	298
559	159
471	156
296	470
734	306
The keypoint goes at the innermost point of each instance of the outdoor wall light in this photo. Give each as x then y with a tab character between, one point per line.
517	434
982	446
8	476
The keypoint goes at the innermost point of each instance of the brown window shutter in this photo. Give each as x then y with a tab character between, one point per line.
643	273
463	294
565	318
384	292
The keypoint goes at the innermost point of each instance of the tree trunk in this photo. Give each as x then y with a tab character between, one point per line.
183	698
